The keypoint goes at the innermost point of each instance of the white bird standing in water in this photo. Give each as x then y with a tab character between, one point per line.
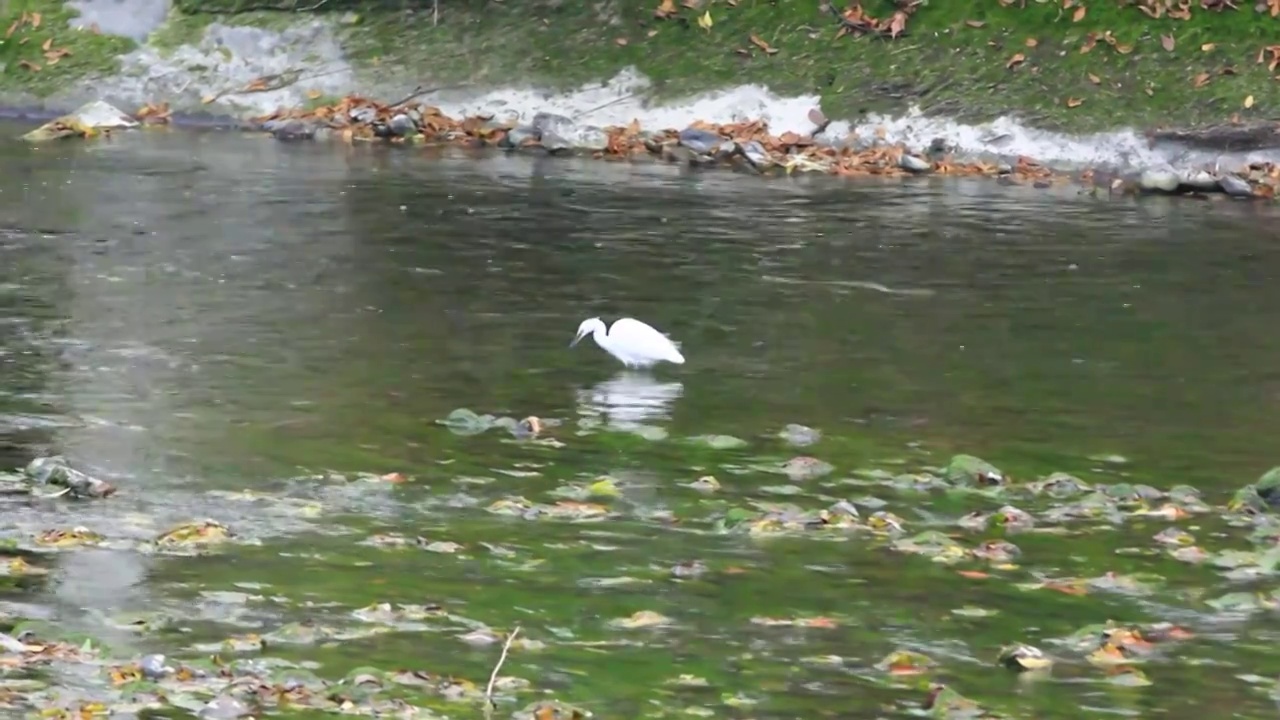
636	344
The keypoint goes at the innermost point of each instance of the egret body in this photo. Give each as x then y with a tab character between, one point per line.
636	344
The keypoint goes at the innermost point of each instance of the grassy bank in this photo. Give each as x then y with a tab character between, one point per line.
1071	64
975	58
40	52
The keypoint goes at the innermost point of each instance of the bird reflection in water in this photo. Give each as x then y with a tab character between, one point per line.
629	400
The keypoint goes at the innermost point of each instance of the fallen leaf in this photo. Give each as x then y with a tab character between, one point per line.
1124	49
705	22
1016	60
1095	79
1200	80
1248	102
897	24
1166	41
35	20
1032	42
665	10
1074	102
314	94
29	65
14	28
1089	43
651	33
760	43
1208	47
974	23
620	42
973	574
1078	15
48	43
208	99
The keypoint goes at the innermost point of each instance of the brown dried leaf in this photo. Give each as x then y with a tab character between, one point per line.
1074	102
1200	80
666	9
974	23
760	43
1095	79
48	43
1124	49
1090	42
35	20
1078	15
620	42
29	65
208	99
1208	47
14	28
1016	60
1031	42
1166	41
897	24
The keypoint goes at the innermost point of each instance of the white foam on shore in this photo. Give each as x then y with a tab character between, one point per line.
623	99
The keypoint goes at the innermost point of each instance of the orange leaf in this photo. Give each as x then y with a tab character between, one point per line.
974	23
1095	79
35	20
1016	60
1074	102
1090	42
760	43
1078	15
1166	41
665	10
897	24
1200	80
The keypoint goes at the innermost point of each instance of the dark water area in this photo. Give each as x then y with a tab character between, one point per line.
209	319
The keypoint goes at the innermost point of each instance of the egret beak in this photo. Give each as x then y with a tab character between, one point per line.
579	336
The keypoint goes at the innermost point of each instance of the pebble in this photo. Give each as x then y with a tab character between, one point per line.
403	125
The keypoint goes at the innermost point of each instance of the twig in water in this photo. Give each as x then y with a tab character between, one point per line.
493	676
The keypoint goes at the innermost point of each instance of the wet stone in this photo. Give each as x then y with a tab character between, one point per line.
701	142
1234	186
519	137
402	125
1199	180
914	164
1165	181
290	129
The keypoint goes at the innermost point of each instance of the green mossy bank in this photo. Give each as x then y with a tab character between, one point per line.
972	59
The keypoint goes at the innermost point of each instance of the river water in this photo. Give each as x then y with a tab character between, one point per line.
197	315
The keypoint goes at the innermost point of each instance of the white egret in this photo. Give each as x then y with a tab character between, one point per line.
636	344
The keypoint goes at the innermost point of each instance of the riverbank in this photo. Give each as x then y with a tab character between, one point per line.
1070	66
977	88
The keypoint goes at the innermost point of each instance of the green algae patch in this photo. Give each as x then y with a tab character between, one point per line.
40	52
1054	67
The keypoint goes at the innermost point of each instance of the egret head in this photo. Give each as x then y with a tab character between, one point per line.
587	326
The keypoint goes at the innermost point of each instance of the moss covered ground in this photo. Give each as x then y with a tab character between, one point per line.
1069	64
